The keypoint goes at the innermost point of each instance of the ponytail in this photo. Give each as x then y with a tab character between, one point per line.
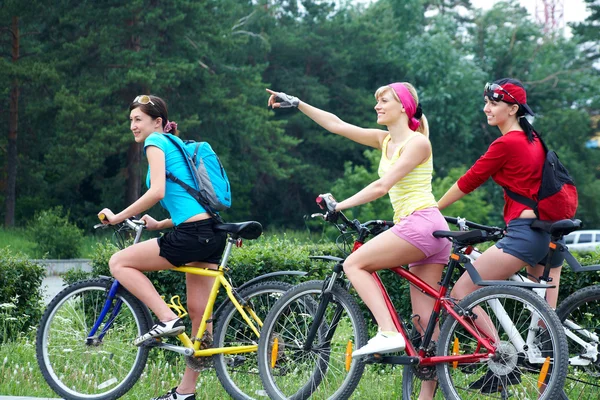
526	126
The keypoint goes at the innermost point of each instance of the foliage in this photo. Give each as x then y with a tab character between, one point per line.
570	281
54	235
81	65
20	296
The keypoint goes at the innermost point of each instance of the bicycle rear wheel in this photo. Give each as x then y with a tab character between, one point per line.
580	315
536	372
292	368
238	373
79	367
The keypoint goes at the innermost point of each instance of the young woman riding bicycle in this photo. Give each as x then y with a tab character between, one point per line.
515	161
192	242
405	172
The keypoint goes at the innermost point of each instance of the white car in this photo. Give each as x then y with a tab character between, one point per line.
583	240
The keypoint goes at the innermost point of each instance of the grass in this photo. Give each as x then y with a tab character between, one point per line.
20	376
19	240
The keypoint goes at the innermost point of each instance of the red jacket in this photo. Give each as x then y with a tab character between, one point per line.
511	161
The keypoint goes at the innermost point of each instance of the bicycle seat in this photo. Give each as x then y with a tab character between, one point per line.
247	230
465	237
558	228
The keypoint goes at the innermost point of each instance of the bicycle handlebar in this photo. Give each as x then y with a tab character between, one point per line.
133	224
460	222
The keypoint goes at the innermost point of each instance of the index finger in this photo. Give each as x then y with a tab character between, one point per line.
271	91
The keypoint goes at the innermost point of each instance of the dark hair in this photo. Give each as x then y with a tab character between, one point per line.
523	122
158	109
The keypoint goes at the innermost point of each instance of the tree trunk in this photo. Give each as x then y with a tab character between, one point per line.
134	181
12	159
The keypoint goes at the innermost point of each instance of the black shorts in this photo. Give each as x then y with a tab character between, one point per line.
192	242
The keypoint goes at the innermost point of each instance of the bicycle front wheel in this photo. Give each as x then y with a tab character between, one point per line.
238	373
80	367
530	360
580	315
291	367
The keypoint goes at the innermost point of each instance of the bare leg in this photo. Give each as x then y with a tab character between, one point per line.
422	305
493	264
382	252
198	290
127	265
551	294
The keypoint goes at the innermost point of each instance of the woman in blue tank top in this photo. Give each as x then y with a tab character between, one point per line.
192	240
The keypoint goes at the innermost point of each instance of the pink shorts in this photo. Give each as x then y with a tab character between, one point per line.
417	229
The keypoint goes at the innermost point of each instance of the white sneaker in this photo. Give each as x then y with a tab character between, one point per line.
383	342
169	328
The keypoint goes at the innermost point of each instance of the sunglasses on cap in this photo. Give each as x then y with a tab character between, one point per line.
490	91
143	99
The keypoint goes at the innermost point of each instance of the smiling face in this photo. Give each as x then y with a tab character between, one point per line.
499	113
388	108
142	125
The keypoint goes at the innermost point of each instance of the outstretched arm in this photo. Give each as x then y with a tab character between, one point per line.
329	121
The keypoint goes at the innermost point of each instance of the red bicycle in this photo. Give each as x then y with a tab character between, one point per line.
502	330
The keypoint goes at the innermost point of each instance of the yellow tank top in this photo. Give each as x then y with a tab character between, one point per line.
413	192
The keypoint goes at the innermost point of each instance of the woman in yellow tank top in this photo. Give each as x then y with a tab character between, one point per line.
405	173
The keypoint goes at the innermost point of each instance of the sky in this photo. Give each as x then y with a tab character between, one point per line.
573	10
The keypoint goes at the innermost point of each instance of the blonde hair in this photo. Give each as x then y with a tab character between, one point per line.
424	125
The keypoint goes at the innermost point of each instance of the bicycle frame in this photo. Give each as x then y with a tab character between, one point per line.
192	348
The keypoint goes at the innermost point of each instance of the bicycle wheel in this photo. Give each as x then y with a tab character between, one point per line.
238	373
537	372
292	368
580	315
79	367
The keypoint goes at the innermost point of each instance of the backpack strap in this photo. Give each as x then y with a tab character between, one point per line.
526	200
523	200
197	194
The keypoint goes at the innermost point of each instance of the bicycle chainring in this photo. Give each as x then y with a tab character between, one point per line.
427	373
199	364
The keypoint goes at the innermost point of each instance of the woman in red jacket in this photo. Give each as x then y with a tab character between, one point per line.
514	161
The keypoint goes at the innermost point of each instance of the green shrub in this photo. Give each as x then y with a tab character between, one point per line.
54	235
571	281
21	302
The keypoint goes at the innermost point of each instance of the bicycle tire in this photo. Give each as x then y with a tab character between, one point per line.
238	373
582	308
511	373
103	369
326	370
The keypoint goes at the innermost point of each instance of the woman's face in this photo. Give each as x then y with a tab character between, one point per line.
142	125
388	109
499	113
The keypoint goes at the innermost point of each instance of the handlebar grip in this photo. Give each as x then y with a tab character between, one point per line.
102	216
321	202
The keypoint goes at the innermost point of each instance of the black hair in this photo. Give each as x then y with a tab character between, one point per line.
158	109
530	132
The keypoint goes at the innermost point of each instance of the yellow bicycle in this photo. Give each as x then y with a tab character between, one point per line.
85	339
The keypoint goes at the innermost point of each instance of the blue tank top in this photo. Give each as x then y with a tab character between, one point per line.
180	205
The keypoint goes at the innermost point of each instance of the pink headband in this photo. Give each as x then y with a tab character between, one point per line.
170	126
408	102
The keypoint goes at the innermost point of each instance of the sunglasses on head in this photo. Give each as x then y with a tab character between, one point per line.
490	91
143	99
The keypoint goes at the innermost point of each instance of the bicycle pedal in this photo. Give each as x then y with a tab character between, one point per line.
152	342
